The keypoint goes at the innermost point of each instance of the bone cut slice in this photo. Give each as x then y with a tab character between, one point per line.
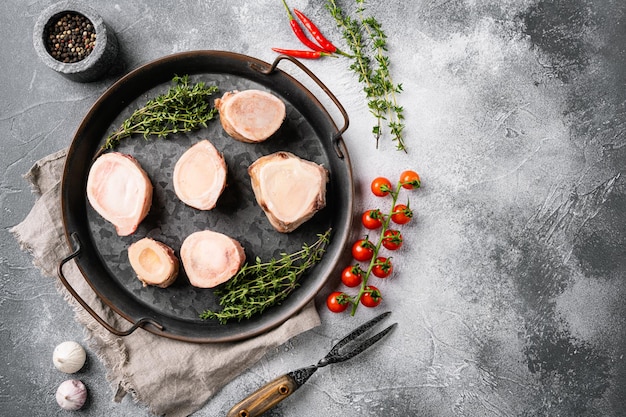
250	115
289	189
120	191
154	262
211	258
200	176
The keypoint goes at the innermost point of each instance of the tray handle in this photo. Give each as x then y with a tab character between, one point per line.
140	323
346	121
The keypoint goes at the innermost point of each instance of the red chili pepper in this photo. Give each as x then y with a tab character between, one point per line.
297	53
295	26
315	32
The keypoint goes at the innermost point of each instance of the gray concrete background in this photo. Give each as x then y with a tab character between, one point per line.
509	292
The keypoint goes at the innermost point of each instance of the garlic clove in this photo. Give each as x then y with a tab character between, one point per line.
71	394
69	357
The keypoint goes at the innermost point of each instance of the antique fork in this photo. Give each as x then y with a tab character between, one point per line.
280	388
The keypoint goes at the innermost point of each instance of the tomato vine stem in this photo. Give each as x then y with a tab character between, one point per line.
363	288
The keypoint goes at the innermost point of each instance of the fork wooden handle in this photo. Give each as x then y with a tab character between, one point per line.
264	398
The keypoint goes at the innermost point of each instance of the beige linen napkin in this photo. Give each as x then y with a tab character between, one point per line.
171	378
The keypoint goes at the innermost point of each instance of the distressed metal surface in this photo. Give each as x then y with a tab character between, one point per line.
509	290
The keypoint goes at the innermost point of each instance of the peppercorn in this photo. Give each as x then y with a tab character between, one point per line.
70	38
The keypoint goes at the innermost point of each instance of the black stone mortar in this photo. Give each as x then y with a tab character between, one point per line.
97	63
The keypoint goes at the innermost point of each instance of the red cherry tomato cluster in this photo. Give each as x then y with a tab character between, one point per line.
366	251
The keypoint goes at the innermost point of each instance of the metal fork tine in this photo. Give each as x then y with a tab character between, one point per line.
366	344
356	333
355	350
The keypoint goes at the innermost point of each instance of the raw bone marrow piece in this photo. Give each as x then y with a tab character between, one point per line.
289	189
120	191
211	258
251	115
200	176
154	262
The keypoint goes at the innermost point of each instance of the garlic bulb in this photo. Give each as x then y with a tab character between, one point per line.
69	357
71	394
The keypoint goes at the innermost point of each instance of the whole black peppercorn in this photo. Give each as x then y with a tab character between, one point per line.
70	38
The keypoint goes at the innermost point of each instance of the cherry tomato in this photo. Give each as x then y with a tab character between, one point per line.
383	267
392	239
381	186
371	297
410	180
401	214
363	250
337	302
372	219
352	276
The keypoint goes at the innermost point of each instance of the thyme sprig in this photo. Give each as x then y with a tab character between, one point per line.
182	108
384	100
261	285
368	46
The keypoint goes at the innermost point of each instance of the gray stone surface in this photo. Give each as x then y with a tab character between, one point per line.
509	290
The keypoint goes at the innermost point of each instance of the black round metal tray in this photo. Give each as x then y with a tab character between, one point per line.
101	255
